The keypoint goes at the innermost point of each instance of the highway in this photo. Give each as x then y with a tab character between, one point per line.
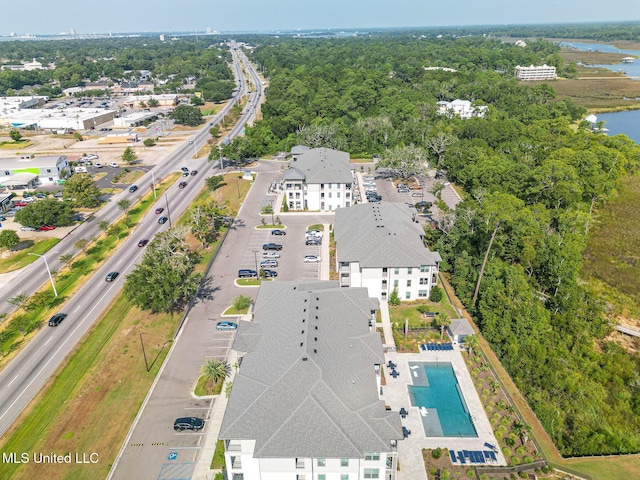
23	378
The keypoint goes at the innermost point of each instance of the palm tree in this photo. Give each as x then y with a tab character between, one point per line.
443	321
471	342
215	370
522	430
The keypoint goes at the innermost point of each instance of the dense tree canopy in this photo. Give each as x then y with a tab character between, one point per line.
48	211
81	191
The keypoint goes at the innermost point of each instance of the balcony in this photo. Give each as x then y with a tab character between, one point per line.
233	446
299	463
236	463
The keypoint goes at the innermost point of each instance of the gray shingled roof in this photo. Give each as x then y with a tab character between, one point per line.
307	386
293	174
298	149
381	235
324	165
460	326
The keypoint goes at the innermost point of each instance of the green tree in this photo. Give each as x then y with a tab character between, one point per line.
405	161
9	239
215	182
149	142
15	135
81	244
471	343
81	191
124	205
77	136
20	300
394	298
66	259
48	211
187	115
215	370
152	102
104	225
242	302
129	155
196	100
436	294
442	321
205	221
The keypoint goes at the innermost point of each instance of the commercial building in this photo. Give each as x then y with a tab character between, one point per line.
28	172
541	72
56	119
138	101
319	179
380	247
21	102
306	401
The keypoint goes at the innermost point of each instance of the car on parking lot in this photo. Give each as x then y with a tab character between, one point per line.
97	165
270	255
278	232
194	172
188	423
27	229
113	165
313	241
247	273
45	228
41	195
21	203
159	210
416	194
269	273
111	276
225	325
269	263
133	188
182	185
271	246
162	220
313	233
374	199
403	190
92	156
311	259
56	319
143	242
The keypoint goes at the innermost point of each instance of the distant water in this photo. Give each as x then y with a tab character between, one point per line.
630	69
627	122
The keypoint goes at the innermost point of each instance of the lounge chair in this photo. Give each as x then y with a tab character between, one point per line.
452	454
461	458
493	456
488	445
422	347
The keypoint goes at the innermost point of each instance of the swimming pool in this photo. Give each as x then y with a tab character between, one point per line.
445	412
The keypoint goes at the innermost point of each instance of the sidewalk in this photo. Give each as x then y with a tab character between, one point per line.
325	264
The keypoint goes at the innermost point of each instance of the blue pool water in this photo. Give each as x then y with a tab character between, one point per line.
439	393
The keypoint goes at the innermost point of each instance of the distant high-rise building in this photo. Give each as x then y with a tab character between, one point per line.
208	30
72	31
162	37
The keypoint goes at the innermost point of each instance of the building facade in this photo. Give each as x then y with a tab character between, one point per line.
319	179
461	108
541	72
380	247
306	402
48	170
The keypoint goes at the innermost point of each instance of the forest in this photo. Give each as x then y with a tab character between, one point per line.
533	173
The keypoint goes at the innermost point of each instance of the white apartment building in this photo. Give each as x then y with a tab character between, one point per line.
380	247
461	108
306	402
541	72
319	179
28	171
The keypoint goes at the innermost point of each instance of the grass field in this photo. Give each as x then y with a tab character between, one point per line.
11	145
21	258
600	93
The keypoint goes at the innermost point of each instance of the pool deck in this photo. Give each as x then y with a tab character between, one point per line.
396	395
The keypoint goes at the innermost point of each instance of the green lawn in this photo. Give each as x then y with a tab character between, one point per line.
233	311
409	311
21	258
14	145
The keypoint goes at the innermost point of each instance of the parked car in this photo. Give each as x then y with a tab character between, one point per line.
113	165
27	229
270	255
159	210
246	273
311	259
225	325
278	232
162	220
21	203
269	273
45	228
56	319
92	156
188	423
111	276
143	242
269	263
403	190
314	233
272	246
313	241
416	194
133	188
181	185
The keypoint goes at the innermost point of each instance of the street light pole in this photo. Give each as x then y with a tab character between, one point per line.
153	180
144	354
46	264
238	185
168	213
271	203
255	257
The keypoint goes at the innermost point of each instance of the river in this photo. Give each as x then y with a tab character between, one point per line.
627	122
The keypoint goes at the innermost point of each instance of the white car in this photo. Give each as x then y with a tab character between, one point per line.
27	229
97	165
314	233
312	259
270	255
113	165
93	156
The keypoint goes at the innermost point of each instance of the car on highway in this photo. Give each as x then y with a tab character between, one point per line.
45	228
163	220
247	273
185	174
159	210
194	172
225	325
56	319
182	185
184	169
270	254
143	242
111	276
27	229
271	246
311	259
188	423
269	263
278	232
133	188
269	273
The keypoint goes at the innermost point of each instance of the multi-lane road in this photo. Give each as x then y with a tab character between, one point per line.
21	380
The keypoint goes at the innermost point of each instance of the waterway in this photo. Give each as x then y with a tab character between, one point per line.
627	122
630	69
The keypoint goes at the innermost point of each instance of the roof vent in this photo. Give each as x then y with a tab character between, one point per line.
304	359
315	350
302	344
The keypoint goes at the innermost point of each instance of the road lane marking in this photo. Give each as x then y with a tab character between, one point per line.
14	379
47	342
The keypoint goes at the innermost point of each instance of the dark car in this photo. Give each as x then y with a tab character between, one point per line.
143	242
313	241
194	172
159	210
423	204
133	188
246	273
188	423
224	325
111	276
269	273
271	246
278	232
56	319
184	169
162	220
182	185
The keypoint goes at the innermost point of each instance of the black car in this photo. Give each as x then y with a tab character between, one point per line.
246	273
269	273
181	185
56	319
162	220
194	172
278	232
184	169
133	188
313	241
143	242
185	174
271	246
111	276
188	423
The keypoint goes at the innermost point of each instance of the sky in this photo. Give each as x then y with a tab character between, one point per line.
94	16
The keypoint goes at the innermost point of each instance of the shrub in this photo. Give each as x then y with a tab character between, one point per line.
523	474
241	302
285	207
471	473
509	441
498	434
436	294
527	459
519	450
506	452
394	298
437	453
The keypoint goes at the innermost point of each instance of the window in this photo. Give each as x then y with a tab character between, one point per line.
338	195
395	284
48	170
371	473
407	295
408	283
422	293
384	270
322	195
424	268
7	173
297	194
372	456
329	186
424	281
409	270
322	476
289	185
396	271
344	462
344	476
322	185
322	462
329	194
